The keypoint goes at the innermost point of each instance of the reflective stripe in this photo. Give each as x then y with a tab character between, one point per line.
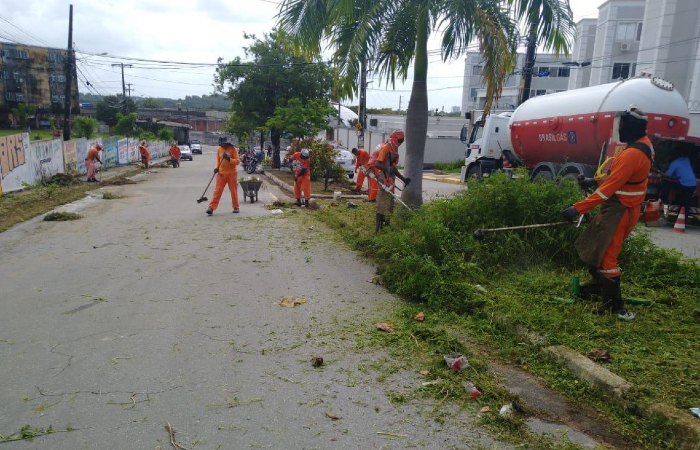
597	191
609	270
630	193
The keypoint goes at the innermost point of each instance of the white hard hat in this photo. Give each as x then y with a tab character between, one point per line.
304	152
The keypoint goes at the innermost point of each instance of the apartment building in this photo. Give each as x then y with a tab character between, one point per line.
36	77
550	75
629	38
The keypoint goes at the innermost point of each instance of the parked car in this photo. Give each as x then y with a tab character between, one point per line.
186	152
347	160
196	146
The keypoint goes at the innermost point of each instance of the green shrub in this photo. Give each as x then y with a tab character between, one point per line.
448	166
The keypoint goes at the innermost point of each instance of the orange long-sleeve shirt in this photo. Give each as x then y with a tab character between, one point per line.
627	180
175	152
387	155
92	154
227	167
305	163
145	154
362	158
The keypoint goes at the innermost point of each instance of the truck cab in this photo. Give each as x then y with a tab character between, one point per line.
486	142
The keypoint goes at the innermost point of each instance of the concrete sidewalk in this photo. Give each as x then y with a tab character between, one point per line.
451	178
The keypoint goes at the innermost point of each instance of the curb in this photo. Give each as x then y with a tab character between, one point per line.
442	180
290	189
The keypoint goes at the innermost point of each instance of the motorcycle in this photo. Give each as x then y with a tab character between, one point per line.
249	161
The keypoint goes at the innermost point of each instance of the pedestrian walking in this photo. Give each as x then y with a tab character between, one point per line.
93	154
621	194
145	154
175	154
361	159
301	167
226	171
387	160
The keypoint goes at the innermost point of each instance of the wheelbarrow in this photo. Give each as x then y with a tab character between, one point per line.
250	187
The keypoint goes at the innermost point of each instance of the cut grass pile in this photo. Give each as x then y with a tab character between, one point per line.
430	258
61	216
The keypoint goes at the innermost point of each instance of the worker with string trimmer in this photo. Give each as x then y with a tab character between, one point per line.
386	163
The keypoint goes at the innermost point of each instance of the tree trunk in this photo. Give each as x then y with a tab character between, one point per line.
417	119
275	139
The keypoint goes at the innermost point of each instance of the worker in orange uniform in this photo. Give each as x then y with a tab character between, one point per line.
361	158
386	163
301	165
227	161
93	155
621	194
372	174
175	154
145	154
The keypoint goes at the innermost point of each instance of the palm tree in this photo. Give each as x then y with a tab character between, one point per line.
394	34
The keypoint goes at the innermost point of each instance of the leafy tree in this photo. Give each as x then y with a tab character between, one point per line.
394	34
112	105
85	126
126	125
151	103
323	163
166	134
23	113
299	120
273	76
145	135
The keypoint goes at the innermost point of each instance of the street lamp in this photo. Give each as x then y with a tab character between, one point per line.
576	63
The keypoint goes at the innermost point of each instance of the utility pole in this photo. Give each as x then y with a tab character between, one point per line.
400	98
69	78
363	104
123	85
529	63
129	88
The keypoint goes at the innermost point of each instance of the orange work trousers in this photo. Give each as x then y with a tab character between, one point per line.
373	188
223	180
360	180
303	183
608	265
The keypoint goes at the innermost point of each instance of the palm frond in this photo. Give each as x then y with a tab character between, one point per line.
554	19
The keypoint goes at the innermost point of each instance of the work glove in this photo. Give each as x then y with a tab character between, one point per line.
216	171
570	213
406	181
295	178
226	157
584	182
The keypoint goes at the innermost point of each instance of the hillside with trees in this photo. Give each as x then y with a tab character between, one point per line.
214	102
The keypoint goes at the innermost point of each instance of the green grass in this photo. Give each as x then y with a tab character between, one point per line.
430	258
449	167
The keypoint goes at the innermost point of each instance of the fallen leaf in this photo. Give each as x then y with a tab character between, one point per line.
599	355
424	372
332	416
419	317
291	302
485	409
317	361
384	327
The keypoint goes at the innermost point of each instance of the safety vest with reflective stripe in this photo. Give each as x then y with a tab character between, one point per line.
627	180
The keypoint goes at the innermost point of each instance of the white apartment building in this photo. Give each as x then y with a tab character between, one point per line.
629	38
549	75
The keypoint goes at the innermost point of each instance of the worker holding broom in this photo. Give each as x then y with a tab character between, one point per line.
175	154
621	194
93	154
226	171
145	154
301	166
386	163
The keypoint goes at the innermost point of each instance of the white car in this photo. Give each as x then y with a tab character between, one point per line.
347	160
185	152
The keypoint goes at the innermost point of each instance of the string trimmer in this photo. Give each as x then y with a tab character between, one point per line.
480	234
370	174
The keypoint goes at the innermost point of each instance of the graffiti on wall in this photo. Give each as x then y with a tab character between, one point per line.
123	146
111	152
47	158
81	149
12	153
70	157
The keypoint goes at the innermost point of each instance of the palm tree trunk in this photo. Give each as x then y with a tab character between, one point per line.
417	118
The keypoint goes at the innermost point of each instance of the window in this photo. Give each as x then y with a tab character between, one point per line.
61	78
564	72
19	97
476	70
10	96
21	54
623	70
16	76
54	98
628	31
3	74
52	78
542	72
472	94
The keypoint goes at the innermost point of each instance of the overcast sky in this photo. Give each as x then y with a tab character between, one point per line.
192	31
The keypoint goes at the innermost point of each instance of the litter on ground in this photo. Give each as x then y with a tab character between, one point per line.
291	302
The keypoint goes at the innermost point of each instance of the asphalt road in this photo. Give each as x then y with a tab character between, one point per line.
147	311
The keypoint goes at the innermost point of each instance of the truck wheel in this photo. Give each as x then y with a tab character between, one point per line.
544	175
474	172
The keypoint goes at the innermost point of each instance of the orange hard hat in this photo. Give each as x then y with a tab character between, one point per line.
396	138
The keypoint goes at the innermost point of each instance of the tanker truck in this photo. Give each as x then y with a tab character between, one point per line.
569	133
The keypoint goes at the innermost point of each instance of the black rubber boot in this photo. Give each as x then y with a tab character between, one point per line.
380	223
306	203
612	299
298	202
592	288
